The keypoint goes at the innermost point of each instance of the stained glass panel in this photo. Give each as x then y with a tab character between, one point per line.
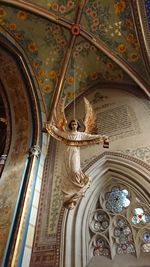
140	217
125	249
146	237
101	247
123	237
117	200
100	221
146	247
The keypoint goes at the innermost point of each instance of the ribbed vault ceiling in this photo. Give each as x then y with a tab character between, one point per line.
75	45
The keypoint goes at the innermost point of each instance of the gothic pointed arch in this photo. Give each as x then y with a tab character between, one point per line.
113	219
17	179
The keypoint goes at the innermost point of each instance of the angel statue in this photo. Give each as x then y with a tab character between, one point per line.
74	182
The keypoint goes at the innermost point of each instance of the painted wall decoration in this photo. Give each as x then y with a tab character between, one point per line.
88	67
20	140
5	221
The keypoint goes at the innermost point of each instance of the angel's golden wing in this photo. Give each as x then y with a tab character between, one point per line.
60	119
90	118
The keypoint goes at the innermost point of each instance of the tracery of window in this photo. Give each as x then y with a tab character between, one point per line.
120	223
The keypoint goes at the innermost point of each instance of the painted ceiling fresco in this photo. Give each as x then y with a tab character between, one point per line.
88	66
46	43
111	21
63	8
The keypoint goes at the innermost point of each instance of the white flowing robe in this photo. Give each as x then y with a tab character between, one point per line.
74	182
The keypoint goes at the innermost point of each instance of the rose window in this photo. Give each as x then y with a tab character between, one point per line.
117	200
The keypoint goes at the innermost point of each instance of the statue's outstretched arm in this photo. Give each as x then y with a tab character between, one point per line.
55	132
95	137
86	139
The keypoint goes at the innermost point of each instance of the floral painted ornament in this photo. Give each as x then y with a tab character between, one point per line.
117	200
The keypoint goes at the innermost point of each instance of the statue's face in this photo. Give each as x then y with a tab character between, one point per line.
74	125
